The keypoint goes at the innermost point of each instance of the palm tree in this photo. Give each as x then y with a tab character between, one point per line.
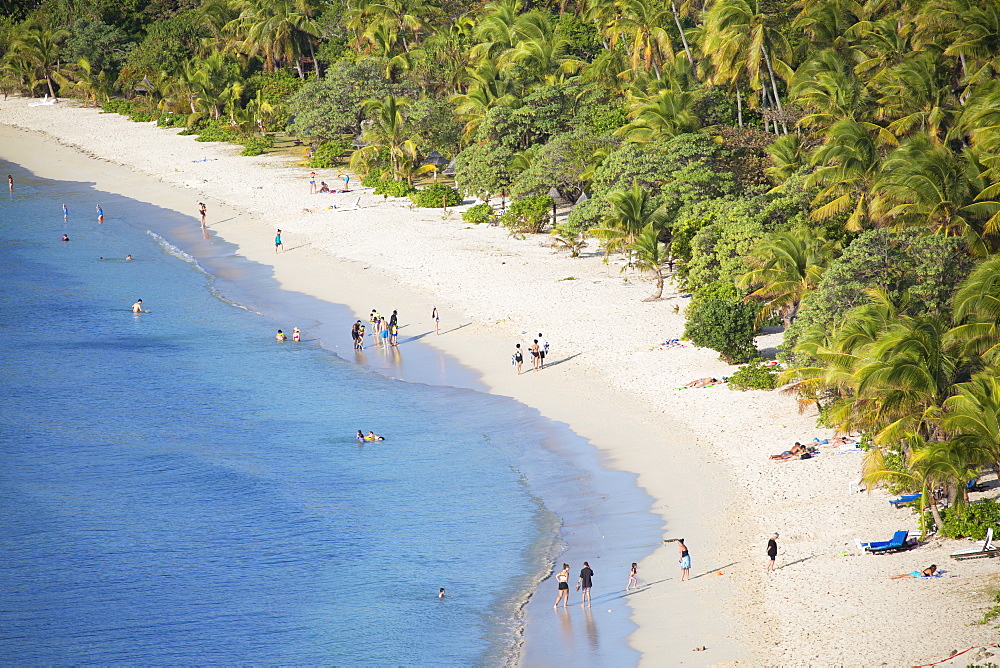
275	30
973	418
631	212
848	163
666	114
744	46
389	128
648	254
787	158
927	185
917	96
638	26
827	87
92	86
787	266
977	310
40	49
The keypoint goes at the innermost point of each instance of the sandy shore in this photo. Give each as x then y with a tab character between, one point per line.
700	453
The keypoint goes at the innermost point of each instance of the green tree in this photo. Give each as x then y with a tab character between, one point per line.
722	321
631	212
647	254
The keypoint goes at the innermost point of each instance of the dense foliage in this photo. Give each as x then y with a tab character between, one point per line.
833	166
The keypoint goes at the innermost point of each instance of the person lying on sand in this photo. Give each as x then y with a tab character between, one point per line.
797	451
702	382
926	573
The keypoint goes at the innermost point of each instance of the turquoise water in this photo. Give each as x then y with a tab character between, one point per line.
180	488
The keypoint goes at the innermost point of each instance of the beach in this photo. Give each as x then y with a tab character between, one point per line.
701	454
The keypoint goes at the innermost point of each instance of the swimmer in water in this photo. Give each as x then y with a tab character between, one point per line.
65	237
372	436
100	214
296	334
361	437
128	257
280	336
137	307
441	593
65	212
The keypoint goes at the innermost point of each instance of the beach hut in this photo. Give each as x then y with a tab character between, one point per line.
581	199
437	160
450	169
144	86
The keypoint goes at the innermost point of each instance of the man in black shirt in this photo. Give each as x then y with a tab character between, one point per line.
585	583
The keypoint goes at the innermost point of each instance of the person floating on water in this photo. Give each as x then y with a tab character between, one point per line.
372	436
137	307
361	437
280	336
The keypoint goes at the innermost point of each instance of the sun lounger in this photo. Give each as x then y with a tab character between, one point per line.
354	206
898	542
986	549
905	499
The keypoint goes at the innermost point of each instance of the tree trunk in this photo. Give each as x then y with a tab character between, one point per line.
936	514
774	86
687	49
739	107
48	80
312	54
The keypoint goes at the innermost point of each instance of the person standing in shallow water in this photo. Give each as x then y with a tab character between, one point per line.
632	579
585	583
562	580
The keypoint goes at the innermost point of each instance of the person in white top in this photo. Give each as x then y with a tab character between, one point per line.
543	347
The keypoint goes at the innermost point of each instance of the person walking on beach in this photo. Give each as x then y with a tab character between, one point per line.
535	356
137	307
437	320
562	578
65	212
202	210
685	559
585	583
518	358
772	552
543	350
100	214
632	579
277	242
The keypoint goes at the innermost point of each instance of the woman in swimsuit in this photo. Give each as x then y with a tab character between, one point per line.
632	580
296	334
372	436
535	359
518	358
361	437
563	579
926	573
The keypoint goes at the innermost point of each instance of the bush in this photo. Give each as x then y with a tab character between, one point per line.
970	521
171	119
141	116
478	214
527	215
328	154
753	376
372	179
719	319
436	196
393	188
256	145
116	106
215	132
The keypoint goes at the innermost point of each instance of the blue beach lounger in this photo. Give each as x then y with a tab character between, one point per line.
898	542
905	499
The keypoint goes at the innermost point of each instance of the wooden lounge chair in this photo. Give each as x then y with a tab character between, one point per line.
987	549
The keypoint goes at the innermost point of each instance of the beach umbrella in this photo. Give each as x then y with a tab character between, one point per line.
580	200
436	159
450	169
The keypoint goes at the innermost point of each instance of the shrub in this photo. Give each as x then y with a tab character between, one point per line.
970	521
256	145
753	376
527	215
328	154
478	214
372	179
719	319
171	119
116	106
215	132
393	188
141	116
436	196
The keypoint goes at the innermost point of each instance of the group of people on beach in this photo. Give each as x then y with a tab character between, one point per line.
324	188
538	350
384	330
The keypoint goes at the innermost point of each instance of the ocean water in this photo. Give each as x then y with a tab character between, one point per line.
180	488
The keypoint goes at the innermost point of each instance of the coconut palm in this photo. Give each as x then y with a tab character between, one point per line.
977	310
39	48
827	87
785	268
631	211
917	95
389	128
973	418
275	30
648	254
665	114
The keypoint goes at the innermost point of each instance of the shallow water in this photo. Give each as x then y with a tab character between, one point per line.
181	488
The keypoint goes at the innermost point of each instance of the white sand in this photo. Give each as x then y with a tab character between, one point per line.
700	453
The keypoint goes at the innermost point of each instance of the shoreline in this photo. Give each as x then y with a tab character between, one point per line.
701	454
